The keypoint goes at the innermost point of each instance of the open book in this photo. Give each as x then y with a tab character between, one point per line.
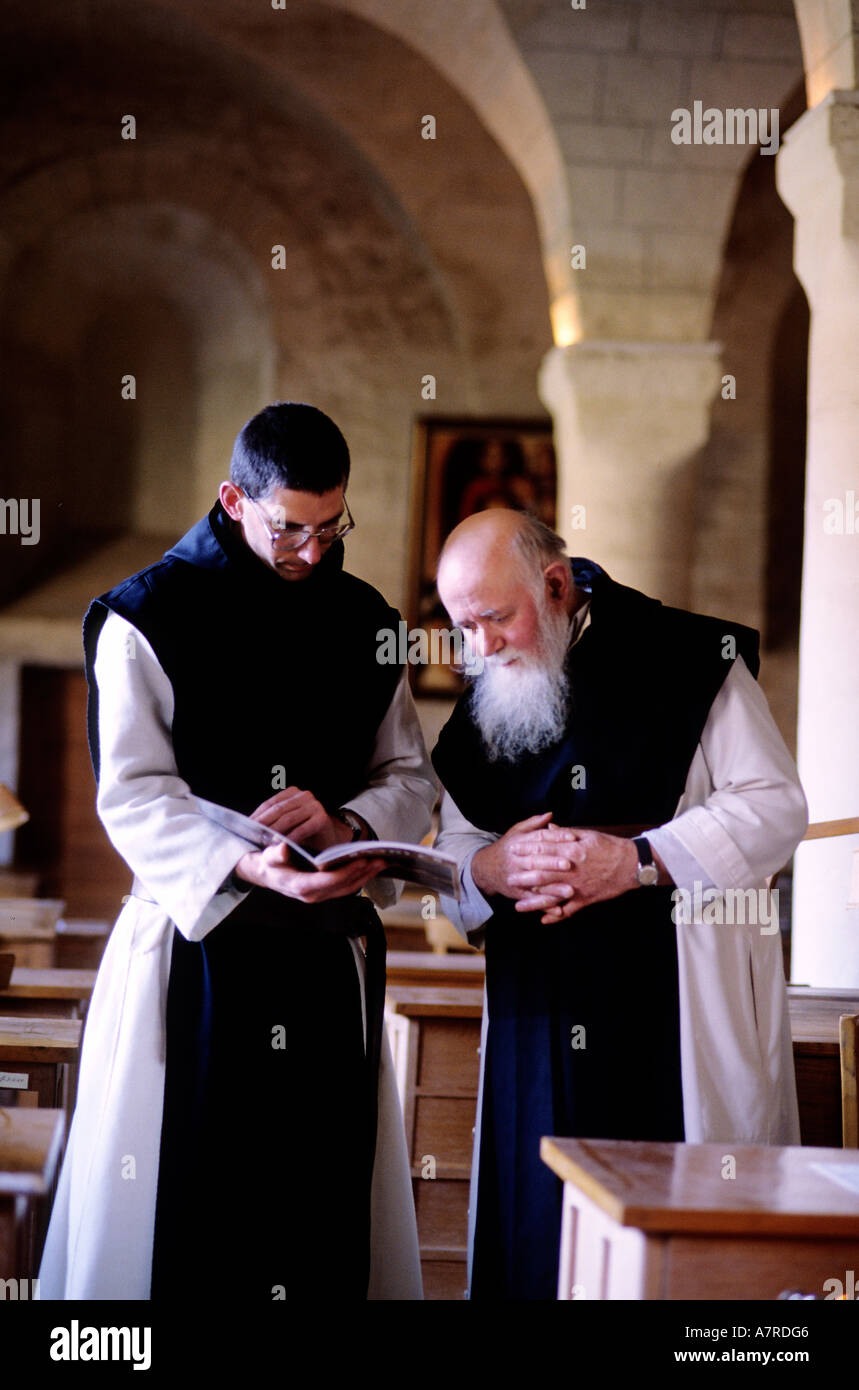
413	863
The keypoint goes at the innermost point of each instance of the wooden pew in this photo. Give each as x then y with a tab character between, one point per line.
47	993
30	1148
427	968
849	1040
815	1016
80	943
407	929
17	883
28	928
660	1221
435	1033
39	1058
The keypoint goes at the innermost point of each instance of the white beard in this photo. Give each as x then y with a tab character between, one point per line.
523	708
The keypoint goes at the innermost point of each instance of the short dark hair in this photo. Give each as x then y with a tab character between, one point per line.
289	445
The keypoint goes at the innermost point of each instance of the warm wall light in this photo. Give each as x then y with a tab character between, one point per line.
12	813
566	320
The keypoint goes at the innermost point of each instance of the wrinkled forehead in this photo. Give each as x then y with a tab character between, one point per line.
472	583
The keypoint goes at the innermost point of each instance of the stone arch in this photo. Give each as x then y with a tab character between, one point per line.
741	565
508	101
788	433
475	193
653	214
106	290
265	146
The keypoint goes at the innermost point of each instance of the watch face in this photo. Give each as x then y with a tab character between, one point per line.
648	874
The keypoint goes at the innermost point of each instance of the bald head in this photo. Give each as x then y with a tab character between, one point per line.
506	582
479	550
497	570
502	547
481	537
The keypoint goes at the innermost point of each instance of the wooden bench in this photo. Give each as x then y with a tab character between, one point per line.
17	883
822	1091
28	929
407	929
80	943
668	1221
435	1034
39	1061
47	993
849	1040
427	968
30	1148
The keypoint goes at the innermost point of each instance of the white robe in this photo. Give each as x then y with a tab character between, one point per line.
100	1238
741	816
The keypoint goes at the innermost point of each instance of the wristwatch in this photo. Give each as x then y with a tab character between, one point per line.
351	819
647	872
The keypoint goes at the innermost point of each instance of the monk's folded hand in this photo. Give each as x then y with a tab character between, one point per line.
268	868
531	855
298	814
604	866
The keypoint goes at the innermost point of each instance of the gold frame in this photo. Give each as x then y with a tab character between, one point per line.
436	505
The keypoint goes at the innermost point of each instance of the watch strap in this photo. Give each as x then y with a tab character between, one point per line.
352	820
645	853
647	872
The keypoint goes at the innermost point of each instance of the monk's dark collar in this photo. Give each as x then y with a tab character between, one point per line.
213	544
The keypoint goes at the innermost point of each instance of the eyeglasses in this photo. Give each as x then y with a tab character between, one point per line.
291	536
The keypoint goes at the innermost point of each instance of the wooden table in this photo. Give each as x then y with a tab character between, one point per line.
48	993
660	1221
435	1034
38	1057
429	968
28	928
407	929
80	943
30	1144
814	1019
34	948
17	883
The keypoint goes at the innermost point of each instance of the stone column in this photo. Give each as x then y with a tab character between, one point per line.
818	178
629	417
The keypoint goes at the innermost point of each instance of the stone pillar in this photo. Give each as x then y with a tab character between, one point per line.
818	178
628	420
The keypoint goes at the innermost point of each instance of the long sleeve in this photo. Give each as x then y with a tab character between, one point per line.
743	810
401	785
179	856
741	815
182	857
461	840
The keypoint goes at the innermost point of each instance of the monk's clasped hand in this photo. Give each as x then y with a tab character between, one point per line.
530	856
603	867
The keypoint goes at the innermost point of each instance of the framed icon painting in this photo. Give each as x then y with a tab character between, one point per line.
460	467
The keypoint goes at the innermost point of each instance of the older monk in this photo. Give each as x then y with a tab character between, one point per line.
612	752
